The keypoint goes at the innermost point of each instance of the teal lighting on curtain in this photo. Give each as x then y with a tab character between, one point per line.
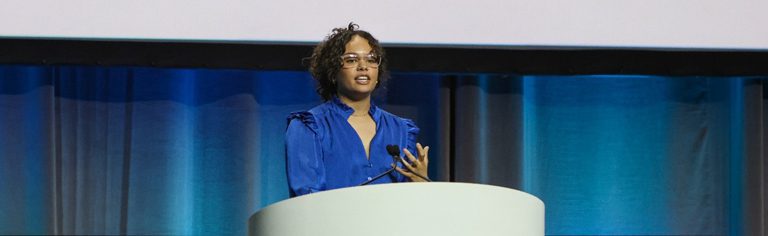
596	144
482	129
613	155
735	164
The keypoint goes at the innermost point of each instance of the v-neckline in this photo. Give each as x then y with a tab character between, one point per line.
345	111
361	144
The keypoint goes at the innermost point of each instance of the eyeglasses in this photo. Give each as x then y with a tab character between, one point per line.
353	60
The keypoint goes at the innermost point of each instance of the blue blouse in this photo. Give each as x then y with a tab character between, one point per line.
324	152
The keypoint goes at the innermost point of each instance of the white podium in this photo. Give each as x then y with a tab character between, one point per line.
405	209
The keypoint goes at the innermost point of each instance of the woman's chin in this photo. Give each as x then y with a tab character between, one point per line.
357	94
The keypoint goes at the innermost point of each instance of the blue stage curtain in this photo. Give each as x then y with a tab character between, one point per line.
620	155
126	150
139	150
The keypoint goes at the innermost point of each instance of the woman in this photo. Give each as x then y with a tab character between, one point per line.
342	142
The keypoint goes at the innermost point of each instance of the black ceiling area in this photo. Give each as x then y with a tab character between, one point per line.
522	60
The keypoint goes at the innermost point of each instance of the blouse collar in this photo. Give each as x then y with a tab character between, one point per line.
347	111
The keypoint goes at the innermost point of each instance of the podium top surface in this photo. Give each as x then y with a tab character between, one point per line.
436	208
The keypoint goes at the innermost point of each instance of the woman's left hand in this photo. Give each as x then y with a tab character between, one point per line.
416	165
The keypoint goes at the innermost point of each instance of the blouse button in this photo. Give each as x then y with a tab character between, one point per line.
369	178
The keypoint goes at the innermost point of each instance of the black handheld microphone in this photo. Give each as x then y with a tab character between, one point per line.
393	151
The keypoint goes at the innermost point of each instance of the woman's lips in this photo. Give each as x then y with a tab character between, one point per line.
363	79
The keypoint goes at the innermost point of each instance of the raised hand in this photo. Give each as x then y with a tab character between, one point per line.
415	166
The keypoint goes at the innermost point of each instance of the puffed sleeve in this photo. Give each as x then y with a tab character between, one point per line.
303	153
411	132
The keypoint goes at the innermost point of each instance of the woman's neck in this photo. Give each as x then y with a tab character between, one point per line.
361	106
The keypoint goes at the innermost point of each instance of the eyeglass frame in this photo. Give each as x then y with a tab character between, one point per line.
358	57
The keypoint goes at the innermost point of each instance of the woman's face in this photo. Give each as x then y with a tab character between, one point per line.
360	72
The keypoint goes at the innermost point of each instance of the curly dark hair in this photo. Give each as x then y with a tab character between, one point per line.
325	62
